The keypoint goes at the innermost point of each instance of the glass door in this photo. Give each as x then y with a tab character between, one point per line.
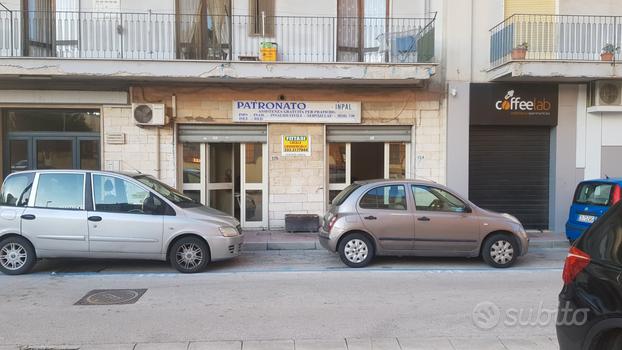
54	153
254	167
221	171
339	161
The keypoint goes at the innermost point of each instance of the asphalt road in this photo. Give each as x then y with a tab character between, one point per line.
282	295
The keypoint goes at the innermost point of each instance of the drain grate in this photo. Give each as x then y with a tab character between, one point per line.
111	297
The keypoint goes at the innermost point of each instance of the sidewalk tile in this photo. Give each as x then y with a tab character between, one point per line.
491	343
321	344
216	345
9	347
161	346
268	345
107	347
372	344
540	343
425	344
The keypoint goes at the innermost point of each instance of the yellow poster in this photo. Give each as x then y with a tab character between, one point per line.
296	145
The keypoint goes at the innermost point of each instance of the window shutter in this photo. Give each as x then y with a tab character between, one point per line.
267	6
256	8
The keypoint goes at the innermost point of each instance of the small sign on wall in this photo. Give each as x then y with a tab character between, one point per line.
296	145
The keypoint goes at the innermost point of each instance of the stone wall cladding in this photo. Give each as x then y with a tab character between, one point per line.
296	184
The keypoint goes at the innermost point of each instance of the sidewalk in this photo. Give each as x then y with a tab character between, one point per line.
480	343
281	240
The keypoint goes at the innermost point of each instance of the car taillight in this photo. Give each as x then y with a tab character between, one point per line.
331	222
617	194
576	261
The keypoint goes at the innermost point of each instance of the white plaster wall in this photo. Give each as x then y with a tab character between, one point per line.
593	135
13	5
486	14
582	7
612	129
581	126
408	8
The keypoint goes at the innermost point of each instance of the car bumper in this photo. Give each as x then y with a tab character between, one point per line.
573	231
326	242
222	248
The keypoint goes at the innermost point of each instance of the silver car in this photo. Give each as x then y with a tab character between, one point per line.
420	218
97	214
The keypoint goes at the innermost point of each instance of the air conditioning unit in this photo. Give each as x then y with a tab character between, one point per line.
606	93
149	114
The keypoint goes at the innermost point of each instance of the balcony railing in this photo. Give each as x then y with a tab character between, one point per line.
157	36
555	37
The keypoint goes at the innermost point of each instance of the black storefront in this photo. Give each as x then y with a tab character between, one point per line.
510	149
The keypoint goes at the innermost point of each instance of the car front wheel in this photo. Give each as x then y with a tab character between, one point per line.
356	250
17	256
500	250
189	255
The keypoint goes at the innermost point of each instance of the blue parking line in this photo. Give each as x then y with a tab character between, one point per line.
291	270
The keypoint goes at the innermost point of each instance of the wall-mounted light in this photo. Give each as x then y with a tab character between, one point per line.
453	92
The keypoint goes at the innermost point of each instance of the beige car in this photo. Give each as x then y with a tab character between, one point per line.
418	218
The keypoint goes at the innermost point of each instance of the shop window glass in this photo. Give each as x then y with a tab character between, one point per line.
192	163
254	163
254	207
337	162
53	120
397	161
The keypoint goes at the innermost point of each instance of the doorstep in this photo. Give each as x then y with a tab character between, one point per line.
282	240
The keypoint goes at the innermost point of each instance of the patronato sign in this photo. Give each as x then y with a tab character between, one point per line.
514	104
296	112
296	145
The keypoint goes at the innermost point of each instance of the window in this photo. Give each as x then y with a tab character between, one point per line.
593	193
604	241
16	190
115	195
343	195
167	192
203	29
60	191
261	17
386	197
434	199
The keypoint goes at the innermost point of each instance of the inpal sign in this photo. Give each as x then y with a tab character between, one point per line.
514	104
297	112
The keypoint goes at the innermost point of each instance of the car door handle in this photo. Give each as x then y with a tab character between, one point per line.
95	218
424	218
371	217
28	217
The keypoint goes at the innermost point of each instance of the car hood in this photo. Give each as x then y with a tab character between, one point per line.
211	215
502	216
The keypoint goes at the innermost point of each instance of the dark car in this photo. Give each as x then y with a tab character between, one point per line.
590	303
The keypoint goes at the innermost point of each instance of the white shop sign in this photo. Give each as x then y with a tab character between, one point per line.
339	112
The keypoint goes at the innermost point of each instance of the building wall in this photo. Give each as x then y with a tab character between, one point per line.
545	7
581	7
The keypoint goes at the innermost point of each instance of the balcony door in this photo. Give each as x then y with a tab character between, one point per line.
50	28
203	29
360	23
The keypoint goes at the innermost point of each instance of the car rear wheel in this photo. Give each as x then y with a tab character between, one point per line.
17	256
189	255
356	250
500	250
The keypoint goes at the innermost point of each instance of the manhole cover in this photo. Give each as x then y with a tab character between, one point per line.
111	297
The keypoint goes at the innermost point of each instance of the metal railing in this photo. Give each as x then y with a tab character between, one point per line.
555	37
158	36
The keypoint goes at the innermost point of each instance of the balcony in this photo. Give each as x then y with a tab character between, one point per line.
216	47
560	48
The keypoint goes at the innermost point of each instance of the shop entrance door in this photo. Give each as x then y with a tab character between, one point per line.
358	161
230	177
53	152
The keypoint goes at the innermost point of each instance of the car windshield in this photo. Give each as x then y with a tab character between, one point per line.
593	193
167	192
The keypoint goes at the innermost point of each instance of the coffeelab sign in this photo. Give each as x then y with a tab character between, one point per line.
514	104
296	112
296	145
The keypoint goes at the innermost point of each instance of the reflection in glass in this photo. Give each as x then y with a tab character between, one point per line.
192	163
254	208
194	194
337	162
332	194
60	191
220	162
54	154
89	155
50	120
18	155
221	200
397	161
254	162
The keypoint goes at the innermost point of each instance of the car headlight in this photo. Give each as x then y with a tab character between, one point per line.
228	231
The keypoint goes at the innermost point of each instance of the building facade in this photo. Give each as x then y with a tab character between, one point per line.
263	108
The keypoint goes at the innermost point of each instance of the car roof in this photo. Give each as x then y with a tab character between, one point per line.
605	180
44	171
413	181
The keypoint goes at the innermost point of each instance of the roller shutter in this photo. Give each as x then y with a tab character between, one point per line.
350	133
509	172
223	133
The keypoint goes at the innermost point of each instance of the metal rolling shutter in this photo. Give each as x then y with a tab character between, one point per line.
350	133
223	133
509	172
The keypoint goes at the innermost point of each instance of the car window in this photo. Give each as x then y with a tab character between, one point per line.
60	191
392	197
603	241
115	195
16	190
429	198
343	195
593	193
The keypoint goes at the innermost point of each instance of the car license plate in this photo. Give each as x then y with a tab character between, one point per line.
588	219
